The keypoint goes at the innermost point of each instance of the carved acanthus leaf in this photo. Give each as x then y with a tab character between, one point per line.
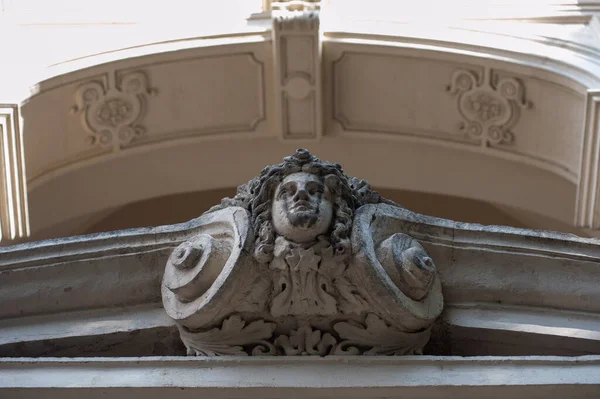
351	301
377	338
233	338
237	338
306	341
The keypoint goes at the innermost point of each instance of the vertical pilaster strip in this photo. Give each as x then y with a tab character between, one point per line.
14	217
297	62
587	211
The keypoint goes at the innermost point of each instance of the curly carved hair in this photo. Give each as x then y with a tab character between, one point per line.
256	196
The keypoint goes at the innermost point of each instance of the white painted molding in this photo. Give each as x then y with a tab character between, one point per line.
587	211
298	87
594	26
14	219
363	377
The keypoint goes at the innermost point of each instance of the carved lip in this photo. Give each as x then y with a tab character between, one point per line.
302	205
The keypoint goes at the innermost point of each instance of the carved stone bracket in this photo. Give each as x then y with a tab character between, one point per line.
112	115
304	260
489	109
297	62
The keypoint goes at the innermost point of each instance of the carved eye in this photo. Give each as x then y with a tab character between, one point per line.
288	189
313	188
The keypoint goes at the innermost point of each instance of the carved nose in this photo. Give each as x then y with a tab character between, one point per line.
301	194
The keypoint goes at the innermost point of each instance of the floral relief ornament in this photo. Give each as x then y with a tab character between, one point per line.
489	109
112	116
235	337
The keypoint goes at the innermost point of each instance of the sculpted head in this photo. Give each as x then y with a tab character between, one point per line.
302	207
304	200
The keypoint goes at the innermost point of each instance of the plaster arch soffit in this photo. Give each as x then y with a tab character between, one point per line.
293	79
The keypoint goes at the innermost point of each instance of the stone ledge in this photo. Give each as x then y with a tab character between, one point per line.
423	376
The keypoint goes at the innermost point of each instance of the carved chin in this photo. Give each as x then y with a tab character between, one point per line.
303	226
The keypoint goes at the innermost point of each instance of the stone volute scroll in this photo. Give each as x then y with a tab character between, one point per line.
304	260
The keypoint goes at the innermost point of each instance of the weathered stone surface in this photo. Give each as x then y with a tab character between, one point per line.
506	291
305	377
304	260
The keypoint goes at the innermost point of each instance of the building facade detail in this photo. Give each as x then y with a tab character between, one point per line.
14	219
587	207
266	290
302	261
297	57
489	109
112	115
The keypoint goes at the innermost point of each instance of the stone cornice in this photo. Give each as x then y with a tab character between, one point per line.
130	265
442	233
433	377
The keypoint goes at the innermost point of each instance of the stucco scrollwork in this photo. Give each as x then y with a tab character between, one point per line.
112	115
489	109
304	260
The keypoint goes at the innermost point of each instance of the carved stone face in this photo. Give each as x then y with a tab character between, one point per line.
302	208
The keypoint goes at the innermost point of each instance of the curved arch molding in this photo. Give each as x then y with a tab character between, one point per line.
483	115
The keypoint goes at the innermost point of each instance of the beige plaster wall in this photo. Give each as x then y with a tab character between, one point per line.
183	207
